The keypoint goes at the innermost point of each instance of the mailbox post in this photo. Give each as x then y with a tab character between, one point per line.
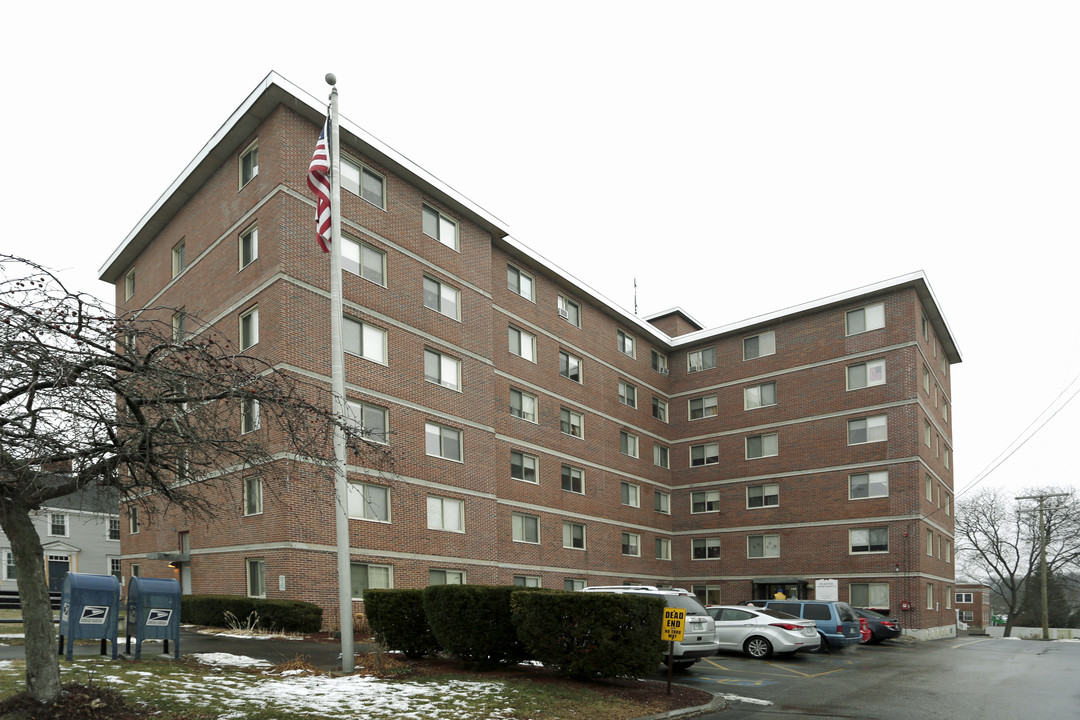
89	608
153	612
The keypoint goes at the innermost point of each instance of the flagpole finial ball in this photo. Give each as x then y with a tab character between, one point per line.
331	79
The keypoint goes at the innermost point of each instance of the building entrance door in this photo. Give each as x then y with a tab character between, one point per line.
58	565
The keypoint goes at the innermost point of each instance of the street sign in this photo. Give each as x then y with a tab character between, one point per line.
674	624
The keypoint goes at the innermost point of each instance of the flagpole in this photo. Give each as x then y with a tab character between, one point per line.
337	310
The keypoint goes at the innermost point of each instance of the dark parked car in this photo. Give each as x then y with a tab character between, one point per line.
882	627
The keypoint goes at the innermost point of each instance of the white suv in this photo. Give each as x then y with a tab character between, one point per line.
699	638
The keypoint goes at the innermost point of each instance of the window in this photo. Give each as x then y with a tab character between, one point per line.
873	595
930	542
628	444
523	344
705	548
625	343
523	405
763	496
249	163
256	578
929	483
573	536
705	501
707	594
948	551
662	502
569	366
864	540
58	525
627	394
361	259
659	409
573	584
249	246
178	262
362	181
441	298
948	504
926	379
573	480
133	519
179	326
570	311
571	423
944	409
249	329
929	596
866	375
369	502
445	514
371	419
116	569
661	456
527	581
446	577
114	529
249	415
9	566
520	282
868	430
365	340
759	396
702	407
631	544
759	345
868	485
707	454
865	319
663	549
523	467
631	494
965	597
928	434
946	455
136	570
442	441
659	362
967	616
129	284
758	446
703	359
369	577
526	528
442	369
253	502
762	546
440	227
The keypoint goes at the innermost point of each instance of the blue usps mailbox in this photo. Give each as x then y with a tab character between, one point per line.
153	612
89	608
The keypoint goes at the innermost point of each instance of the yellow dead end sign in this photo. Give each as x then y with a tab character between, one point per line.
674	624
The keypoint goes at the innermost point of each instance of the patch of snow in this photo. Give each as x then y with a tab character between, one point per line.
743	699
228	659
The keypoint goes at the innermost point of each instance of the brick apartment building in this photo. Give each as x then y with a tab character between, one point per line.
973	604
542	434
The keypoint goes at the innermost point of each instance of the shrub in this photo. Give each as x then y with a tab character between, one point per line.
591	635
398	621
473	623
285	615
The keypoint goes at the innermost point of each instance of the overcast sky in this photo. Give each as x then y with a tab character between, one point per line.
736	158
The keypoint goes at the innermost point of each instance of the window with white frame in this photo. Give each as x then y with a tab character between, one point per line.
179	326
520	282
967	616
133	519
929	484
662	502
523	466
363	181
767	495
573	584
869	595
928	434
249	415
871	317
441	441
759	345
179	259
948	551
571	423
58	525
926	379
868	485
369	502
439	226
707	594
929	596
930	542
446	577
114	529
628	444
663	549
9	566
527	581
705	548
702	407
442	369
573	536
625	343
573	479
442	298
701	359
868	430
868	540
627	394
116	569
569	311
249	163
705	501
569	366
370	419
631	494
253	498
522	343
707	454
249	328
759	446
945	410
129	284
866	375
248	246
758	396
948	504
946	455
659	409
256	577
659	362
631	544
661	456
762	546
525	528
445	514
965	597
365	340
523	405
362	259
369	577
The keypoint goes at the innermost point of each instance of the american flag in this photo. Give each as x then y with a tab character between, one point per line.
318	179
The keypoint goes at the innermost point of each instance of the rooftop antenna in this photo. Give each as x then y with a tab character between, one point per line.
635	295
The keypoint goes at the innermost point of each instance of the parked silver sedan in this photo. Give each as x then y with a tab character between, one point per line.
759	632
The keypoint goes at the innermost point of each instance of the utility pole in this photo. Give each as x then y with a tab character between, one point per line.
1042	554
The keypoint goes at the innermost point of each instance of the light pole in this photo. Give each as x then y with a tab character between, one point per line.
1042	555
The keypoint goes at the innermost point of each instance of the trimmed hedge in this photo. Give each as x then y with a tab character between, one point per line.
591	635
286	615
473	623
397	620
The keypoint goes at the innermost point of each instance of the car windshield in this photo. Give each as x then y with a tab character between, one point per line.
777	614
689	603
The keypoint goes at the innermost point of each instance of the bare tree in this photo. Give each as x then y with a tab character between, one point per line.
997	542
133	403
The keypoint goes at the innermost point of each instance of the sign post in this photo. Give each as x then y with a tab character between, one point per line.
672	630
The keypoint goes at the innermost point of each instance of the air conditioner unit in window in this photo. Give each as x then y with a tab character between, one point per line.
662	371
563	314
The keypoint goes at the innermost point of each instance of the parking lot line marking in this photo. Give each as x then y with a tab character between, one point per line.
970	642
715	664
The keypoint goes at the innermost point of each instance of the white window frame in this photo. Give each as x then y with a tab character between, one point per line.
527	581
10	572
753	397
964	598
250	417
364	505
569	310
444	434
765	445
364	340
659	362
449	577
440	510
929	542
568	538
929	596
252	151
857	534
253	495
63	520
765	494
663	548
629	494
765	346
874	429
357	188
368	567
248	240
525	341
709	500
626	343
440	297
443	224
877	594
527	463
249	328
520	523
129	284
570	361
360	413
705	548
133	519
874	372
662	456
448	367
628	444
255	575
864	319
660	409
566	421
573	584
179	257
767	540
179	325
704	356
520	282
363	260
575	475
631	544
113	522
525	401
706	457
875	478
708	402
628	394
662	502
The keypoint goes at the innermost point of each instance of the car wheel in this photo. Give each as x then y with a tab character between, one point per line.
758	647
823	647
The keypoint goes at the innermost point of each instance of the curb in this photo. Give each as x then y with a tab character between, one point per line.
715	705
